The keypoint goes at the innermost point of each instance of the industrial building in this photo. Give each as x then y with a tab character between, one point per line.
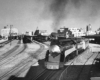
41	32
77	32
89	30
5	32
64	32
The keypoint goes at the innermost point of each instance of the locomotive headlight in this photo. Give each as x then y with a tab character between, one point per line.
55	48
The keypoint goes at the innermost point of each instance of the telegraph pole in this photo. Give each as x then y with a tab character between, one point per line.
10	34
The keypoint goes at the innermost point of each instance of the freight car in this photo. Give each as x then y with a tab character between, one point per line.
41	38
26	39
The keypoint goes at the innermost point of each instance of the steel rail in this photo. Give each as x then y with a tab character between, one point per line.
85	63
38	51
4	43
66	69
6	55
23	63
46	76
11	57
4	75
47	73
60	78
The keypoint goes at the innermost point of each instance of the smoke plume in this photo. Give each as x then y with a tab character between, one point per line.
57	8
86	11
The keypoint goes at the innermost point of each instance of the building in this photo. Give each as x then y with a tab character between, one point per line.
91	33
98	31
37	32
70	32
89	30
64	32
41	32
5	32
29	33
77	32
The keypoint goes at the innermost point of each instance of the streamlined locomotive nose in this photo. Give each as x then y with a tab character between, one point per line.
55	48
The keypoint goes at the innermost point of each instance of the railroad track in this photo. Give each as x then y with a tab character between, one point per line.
48	74
14	68
4	43
32	57
25	64
9	53
42	47
79	72
11	57
47	43
18	66
45	74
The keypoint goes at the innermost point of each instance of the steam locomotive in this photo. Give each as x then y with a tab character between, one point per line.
61	51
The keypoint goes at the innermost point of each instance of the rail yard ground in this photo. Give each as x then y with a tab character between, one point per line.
82	65
2	40
79	70
82	68
13	60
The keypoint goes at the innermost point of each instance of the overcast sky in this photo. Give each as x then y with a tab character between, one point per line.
49	15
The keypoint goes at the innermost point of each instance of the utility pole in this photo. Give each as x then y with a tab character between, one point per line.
10	34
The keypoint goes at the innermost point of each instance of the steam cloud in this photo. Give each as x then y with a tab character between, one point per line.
60	10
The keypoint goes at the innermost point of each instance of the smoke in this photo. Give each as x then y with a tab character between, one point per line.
86	11
57	8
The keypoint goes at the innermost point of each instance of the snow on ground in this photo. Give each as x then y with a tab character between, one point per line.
40	56
31	48
93	49
82	58
8	47
2	40
23	74
13	63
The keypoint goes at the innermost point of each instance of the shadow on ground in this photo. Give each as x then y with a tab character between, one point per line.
72	72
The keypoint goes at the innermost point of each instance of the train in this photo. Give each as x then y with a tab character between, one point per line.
61	51
26	39
40	38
